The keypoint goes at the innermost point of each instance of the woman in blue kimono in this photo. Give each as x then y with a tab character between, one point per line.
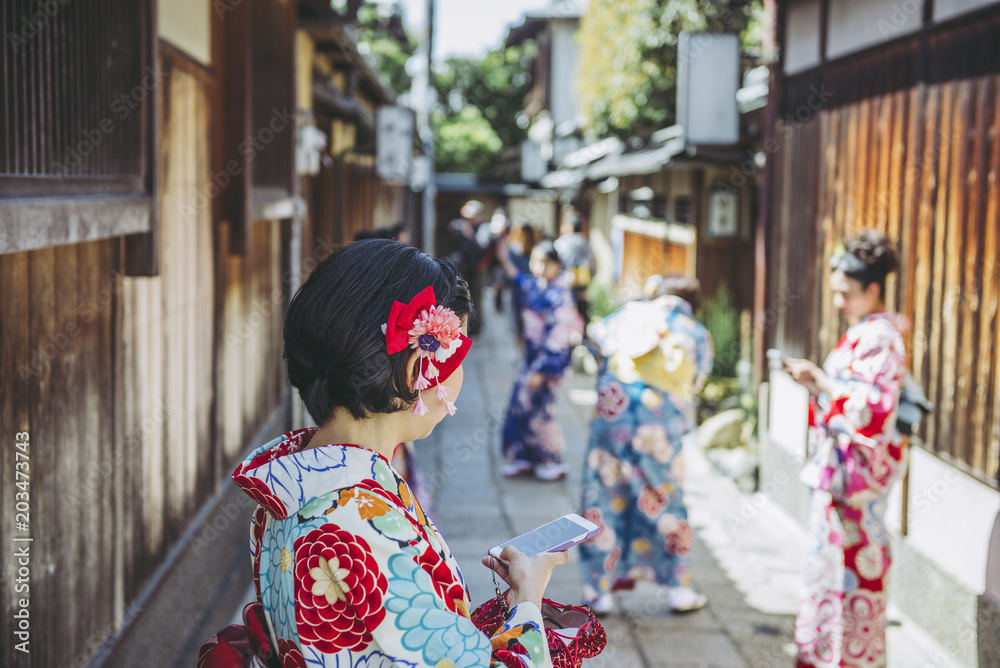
532	438
347	567
656	357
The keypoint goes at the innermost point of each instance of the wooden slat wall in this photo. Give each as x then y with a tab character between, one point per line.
167	335
120	383
249	375
922	166
790	319
349	197
56	319
645	256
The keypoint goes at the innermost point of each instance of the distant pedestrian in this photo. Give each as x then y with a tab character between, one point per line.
475	251
656	356
520	242
532	438
578	258
856	455
348	569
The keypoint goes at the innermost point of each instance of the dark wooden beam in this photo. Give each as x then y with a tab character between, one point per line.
235	91
141	252
32	224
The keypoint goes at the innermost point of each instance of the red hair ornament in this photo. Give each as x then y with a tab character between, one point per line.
435	333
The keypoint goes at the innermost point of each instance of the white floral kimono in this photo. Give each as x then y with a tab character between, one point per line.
352	573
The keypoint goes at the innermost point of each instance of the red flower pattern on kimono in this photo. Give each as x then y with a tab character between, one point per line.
679	540
819	633
257	543
325	569
651	502
258	490
452	591
864	627
338	590
611	402
291	655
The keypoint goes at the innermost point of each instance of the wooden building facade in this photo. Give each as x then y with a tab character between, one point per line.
151	232
903	138
888	117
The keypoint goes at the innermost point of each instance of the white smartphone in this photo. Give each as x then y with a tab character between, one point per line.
555	536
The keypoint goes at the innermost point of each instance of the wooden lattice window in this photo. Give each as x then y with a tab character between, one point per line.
77	80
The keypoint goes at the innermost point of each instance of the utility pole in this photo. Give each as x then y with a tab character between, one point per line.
427	137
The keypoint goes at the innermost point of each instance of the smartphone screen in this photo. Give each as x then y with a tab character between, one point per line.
561	533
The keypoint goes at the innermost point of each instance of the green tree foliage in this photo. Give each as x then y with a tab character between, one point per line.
380	34
628	69
480	101
466	143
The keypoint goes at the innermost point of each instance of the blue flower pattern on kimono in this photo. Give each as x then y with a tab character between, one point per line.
289	477
426	624
279	599
315	659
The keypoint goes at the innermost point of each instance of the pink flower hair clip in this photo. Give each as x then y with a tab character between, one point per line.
435	333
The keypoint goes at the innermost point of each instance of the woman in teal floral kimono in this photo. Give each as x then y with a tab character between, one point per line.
532	438
349	570
656	356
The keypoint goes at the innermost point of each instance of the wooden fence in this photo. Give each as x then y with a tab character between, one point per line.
139	394
921	165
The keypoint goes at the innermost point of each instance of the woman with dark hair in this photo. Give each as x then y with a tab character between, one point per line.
348	568
532	438
655	357
856	456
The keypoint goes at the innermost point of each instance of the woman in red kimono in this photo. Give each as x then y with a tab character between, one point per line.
856	456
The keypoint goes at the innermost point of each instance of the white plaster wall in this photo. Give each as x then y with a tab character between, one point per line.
951	518
186	24
802	36
856	24
788	414
946	9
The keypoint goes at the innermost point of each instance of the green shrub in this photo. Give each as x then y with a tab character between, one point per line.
722	320
603	300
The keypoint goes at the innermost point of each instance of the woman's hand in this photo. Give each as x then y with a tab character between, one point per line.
808	375
527	576
535	381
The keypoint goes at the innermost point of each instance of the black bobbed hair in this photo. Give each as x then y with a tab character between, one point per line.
335	349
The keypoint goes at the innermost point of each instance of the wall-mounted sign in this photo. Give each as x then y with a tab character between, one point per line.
708	76
723	214
394	144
